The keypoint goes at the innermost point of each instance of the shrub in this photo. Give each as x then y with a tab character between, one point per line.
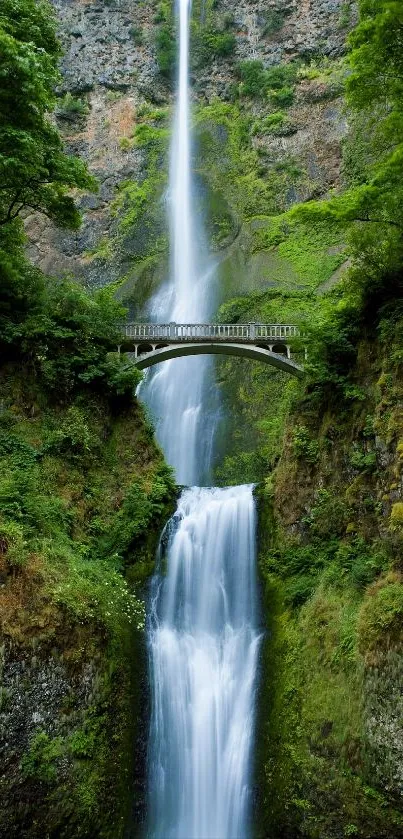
13	546
217	45
274	21
299	589
276	123
123	377
304	446
40	761
82	743
275	82
253	76
73	438
70	334
71	108
125	144
136	35
328	517
280	76
282	98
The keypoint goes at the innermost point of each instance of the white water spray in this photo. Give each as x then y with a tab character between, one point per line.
204	644
202	629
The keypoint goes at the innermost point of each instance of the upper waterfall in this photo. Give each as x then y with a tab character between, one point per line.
175	392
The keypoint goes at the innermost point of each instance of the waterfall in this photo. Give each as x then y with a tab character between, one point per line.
176	391
202	627
204	642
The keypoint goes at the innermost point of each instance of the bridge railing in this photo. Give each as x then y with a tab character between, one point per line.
210	331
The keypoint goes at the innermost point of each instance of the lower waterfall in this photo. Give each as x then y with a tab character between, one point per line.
203	638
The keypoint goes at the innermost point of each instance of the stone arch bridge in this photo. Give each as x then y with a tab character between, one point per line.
276	344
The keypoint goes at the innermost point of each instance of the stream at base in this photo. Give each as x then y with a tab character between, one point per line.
204	641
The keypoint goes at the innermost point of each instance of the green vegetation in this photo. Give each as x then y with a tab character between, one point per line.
276	123
165	41
331	511
274	21
71	108
34	170
83	491
136	34
276	83
208	44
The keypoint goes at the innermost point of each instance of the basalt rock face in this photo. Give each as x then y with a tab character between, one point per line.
110	67
111	74
279	31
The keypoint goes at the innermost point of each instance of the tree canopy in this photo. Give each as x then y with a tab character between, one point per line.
35	172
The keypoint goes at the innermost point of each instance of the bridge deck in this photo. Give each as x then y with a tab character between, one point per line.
240	333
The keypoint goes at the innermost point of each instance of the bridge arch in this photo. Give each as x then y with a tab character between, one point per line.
277	360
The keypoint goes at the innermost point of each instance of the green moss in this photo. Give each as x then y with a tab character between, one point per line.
396	516
312	757
380	620
315	251
39	762
276	123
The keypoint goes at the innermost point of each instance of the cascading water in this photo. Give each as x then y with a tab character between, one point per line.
202	628
175	393
204	643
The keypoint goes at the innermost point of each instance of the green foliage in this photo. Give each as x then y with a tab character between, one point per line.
274	21
94	590
34	170
396	515
282	98
71	107
13	545
138	509
345	15
73	437
165	41
82	744
40	761
61	505
209	44
328	515
363	460
276	123
371	204
277	82
68	334
253	78
305	448
166	51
